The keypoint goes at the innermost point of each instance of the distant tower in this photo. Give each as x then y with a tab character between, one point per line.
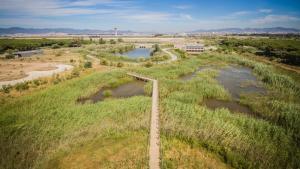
116	32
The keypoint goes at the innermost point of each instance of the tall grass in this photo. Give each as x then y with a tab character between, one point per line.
282	104
180	154
46	128
36	127
241	141
169	71
265	72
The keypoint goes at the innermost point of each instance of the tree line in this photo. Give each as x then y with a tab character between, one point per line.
32	44
284	50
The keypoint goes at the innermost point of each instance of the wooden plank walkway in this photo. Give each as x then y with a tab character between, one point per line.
154	159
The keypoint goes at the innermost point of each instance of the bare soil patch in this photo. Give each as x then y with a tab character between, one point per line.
12	70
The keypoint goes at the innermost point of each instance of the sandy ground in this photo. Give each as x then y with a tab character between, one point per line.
16	70
31	75
19	68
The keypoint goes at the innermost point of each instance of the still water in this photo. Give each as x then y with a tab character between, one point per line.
138	53
135	88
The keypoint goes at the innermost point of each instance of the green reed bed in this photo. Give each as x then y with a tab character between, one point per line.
238	140
49	129
37	126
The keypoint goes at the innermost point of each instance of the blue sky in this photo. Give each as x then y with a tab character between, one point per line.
149	15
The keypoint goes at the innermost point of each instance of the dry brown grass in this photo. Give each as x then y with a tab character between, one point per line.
179	155
117	152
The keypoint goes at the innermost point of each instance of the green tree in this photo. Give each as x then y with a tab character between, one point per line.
6	88
55	46
87	64
103	62
9	54
22	86
120	64
120	40
102	41
148	64
112	41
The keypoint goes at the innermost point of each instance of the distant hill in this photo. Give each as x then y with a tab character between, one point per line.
18	30
249	30
69	31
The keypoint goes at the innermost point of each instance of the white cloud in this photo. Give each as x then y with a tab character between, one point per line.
182	6
186	17
146	16
128	14
235	15
35	22
271	19
56	7
265	10
240	13
88	2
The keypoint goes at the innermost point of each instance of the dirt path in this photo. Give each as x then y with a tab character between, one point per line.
37	74
173	56
154	159
93	58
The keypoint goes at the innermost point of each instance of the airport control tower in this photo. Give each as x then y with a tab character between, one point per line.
116	31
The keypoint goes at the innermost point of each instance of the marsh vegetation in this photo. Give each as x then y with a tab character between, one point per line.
217	110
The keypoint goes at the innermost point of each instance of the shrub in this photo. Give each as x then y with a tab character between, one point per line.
22	86
36	82
120	40
102	41
103	62
75	73
87	64
165	57
57	79
112	41
55	46
182	54
107	93
9	56
75	43
141	59
6	88
120	64
148	64
59	53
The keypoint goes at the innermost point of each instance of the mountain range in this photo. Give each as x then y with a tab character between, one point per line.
273	30
69	31
19	30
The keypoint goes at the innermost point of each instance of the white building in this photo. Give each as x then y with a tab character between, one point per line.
191	48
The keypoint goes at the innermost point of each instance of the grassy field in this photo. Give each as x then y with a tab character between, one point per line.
40	127
238	140
49	129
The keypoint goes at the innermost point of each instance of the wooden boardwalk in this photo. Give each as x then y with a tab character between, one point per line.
154	159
